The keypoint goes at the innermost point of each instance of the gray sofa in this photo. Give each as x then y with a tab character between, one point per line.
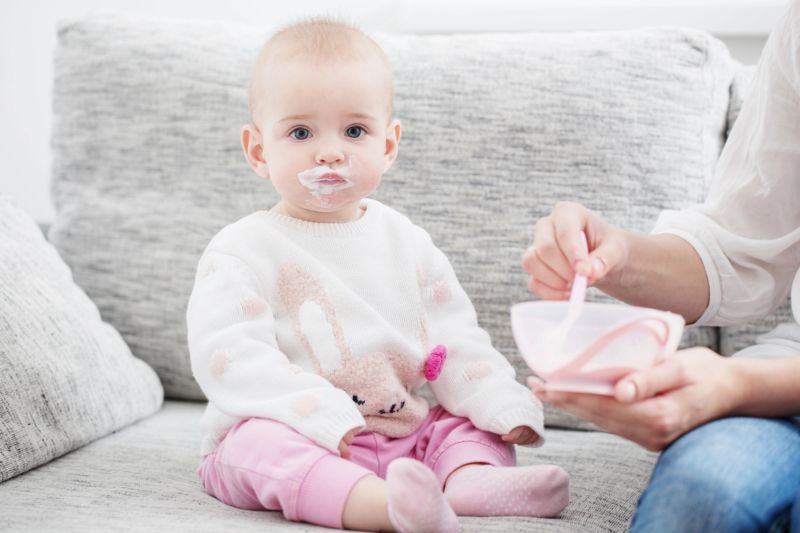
497	128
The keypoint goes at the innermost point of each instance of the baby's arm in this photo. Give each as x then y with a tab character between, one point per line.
477	381
236	360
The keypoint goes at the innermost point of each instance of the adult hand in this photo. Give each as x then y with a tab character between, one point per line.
557	252
347	440
521	435
653	407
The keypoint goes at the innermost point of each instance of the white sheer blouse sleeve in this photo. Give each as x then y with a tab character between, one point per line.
747	232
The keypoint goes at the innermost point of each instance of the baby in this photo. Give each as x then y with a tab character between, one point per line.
311	326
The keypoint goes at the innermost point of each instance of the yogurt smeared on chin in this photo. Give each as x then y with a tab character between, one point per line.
324	181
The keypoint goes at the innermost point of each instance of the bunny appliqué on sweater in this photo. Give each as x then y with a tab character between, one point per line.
380	383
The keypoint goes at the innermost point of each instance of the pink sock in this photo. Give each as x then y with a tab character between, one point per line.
485	490
416	503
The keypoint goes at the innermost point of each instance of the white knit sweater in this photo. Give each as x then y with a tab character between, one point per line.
327	327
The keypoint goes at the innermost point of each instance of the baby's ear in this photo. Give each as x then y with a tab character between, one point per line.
393	131
253	148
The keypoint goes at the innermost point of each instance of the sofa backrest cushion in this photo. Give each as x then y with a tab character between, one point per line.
66	377
497	128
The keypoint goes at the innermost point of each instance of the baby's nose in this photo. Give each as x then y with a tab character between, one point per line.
330	155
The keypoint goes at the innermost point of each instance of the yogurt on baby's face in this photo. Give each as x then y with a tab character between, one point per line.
324	181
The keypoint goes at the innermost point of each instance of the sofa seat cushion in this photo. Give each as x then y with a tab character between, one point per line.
143	478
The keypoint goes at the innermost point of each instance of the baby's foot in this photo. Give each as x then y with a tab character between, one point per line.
416	504
485	490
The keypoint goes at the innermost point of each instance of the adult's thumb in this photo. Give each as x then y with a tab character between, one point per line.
604	258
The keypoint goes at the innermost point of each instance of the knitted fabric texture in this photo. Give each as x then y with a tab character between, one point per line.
328	327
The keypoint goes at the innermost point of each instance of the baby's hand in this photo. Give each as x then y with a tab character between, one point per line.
521	435
347	440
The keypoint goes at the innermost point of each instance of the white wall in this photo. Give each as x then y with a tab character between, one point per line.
27	41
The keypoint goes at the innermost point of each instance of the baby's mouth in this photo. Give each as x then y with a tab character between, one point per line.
324	181
330	179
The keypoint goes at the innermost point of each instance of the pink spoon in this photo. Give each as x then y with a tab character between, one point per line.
554	340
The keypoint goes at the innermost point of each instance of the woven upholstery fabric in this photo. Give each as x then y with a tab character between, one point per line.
66	377
497	128
143	479
740	88
735	338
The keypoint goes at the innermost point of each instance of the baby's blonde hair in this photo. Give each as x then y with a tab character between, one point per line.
318	40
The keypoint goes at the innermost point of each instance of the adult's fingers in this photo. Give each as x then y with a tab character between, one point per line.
568	221
547	251
641	422
666	376
600	410
607	253
546	291
544	274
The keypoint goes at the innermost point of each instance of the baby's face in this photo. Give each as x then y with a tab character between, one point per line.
326	135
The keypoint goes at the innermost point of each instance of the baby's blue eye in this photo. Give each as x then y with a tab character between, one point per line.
301	134
354	132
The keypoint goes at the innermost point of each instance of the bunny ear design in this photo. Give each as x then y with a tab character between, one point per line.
313	318
422	332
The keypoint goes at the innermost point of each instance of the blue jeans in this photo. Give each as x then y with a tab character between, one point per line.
731	475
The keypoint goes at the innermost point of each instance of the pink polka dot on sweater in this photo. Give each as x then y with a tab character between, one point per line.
254	306
305	405
441	292
220	360
477	370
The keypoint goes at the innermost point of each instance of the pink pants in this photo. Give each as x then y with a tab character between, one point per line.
264	464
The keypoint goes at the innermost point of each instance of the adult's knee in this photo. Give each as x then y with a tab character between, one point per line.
692	500
709	480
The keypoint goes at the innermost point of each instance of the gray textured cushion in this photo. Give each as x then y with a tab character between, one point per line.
143	479
66	377
735	338
497	128
740	88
